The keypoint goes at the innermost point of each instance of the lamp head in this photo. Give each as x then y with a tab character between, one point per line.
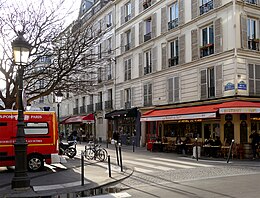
21	49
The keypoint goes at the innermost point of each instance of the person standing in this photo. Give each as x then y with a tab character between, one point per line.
255	140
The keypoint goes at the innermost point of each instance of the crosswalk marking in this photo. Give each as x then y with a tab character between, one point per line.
166	164
142	170
182	162
113	195
148	165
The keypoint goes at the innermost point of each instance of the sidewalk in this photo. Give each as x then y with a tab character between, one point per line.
64	181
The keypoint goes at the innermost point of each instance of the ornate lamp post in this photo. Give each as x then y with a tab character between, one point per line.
58	99
21	51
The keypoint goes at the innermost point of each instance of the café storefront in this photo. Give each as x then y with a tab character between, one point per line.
228	120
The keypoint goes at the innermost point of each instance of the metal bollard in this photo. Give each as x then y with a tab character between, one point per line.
197	153
133	146
82	168
109	166
117	154
230	150
107	143
120	154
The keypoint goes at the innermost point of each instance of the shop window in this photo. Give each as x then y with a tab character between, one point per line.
228	132
243	132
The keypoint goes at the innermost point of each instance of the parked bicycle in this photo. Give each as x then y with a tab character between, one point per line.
95	152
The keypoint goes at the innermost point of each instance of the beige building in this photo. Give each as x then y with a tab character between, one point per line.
197	59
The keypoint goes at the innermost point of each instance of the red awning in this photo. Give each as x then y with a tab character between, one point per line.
80	119
202	111
195	112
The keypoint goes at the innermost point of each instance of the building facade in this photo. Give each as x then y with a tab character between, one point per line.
180	67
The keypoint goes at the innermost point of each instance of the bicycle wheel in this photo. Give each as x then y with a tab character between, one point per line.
89	154
101	155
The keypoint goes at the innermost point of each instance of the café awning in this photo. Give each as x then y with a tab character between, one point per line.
121	113
182	113
80	119
201	111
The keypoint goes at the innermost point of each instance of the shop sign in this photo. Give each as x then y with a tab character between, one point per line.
180	117
88	121
241	85
229	86
239	110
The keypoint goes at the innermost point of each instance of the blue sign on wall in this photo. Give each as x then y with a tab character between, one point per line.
229	86
242	85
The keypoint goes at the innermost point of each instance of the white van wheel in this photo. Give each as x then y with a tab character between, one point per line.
35	163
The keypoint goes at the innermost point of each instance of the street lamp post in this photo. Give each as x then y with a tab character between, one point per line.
21	50
59	96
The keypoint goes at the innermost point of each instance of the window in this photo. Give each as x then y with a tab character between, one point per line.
208	83
83	101
99	75
205	6
41	99
173	16
254	79
99	51
147	34
128	40
128	69
174	89
174	53
109	71
148	95
207	41
36	128
147	4
91	99
252	34
147	62
109	19
128	98
109	45
127	11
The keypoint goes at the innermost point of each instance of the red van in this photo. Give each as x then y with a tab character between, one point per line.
41	134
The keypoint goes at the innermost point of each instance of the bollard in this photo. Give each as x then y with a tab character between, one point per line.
230	150
117	154
197	154
120	154
107	143
82	168
109	166
133	146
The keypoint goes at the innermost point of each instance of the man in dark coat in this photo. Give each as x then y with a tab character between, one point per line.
255	140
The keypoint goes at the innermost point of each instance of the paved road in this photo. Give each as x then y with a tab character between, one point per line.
171	175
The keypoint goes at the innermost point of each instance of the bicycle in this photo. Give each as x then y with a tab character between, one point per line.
94	152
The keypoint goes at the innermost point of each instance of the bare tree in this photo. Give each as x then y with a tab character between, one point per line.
72	56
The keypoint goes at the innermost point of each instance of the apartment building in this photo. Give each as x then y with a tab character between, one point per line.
179	68
189	67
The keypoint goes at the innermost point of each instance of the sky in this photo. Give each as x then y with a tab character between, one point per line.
72	5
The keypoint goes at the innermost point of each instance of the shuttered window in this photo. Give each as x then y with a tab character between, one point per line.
207	41
208	83
173	16
147	62
174	53
254	79
253	34
127	11
128	69
148	94
174	89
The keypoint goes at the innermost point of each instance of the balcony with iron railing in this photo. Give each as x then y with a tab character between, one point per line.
82	109
173	24
75	111
127	18
147	4
256	2
253	44
206	7
147	36
108	104
206	50
148	103
127	47
173	61
128	105
99	106
90	108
